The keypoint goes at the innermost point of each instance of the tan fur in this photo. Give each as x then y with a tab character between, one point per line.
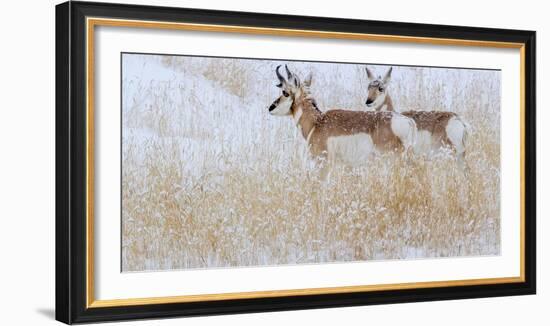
335	123
435	122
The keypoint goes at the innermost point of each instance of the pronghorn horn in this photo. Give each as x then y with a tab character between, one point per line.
291	77
281	78
288	73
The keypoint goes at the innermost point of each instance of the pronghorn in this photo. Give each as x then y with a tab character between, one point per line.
350	137
436	129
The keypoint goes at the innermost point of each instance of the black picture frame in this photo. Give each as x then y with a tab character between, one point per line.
71	158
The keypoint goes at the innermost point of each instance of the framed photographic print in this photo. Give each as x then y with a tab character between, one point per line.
212	162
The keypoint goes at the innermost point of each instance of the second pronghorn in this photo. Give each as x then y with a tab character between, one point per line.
436	129
346	136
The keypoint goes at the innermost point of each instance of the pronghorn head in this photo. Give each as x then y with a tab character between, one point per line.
291	89
377	90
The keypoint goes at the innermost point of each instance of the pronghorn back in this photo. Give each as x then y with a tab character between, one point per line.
379	125
434	122
353	136
439	128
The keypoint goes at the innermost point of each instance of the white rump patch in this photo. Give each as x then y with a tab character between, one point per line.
456	130
352	149
404	128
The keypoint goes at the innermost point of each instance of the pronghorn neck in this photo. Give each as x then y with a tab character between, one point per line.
387	105
306	114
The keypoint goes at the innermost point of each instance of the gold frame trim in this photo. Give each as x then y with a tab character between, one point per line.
92	22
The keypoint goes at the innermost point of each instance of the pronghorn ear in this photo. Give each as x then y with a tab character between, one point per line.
370	74
387	77
307	81
292	77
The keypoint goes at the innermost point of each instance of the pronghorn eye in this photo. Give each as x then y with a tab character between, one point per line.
285	94
381	89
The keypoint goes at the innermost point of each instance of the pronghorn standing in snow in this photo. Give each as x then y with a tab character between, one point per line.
436	129
340	135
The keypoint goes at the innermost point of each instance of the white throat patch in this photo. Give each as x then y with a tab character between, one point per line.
297	115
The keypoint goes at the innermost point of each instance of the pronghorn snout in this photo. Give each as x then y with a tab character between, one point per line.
273	105
369	101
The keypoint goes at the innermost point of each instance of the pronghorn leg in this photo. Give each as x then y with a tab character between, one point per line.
462	164
324	166
324	172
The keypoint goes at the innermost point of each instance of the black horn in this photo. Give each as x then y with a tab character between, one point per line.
288	73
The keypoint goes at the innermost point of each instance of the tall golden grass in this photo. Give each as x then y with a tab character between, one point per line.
209	179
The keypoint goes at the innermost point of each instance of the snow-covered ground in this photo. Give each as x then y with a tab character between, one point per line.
210	179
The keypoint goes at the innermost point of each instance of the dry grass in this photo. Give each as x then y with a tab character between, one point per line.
211	180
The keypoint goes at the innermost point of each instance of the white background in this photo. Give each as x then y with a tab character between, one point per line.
27	139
